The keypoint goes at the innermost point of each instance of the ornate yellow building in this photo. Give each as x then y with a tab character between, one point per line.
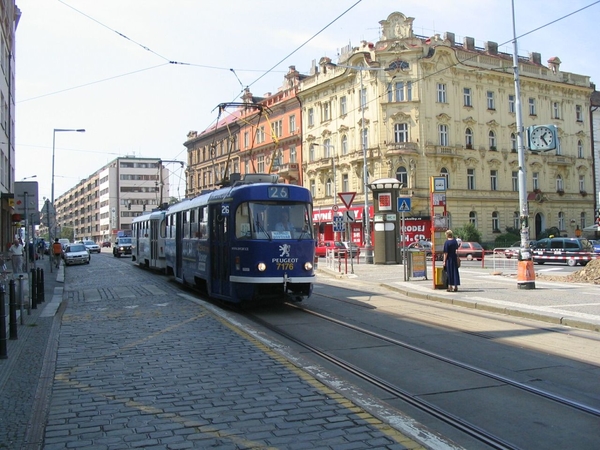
430	106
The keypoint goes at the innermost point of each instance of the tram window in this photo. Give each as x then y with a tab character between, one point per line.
242	222
186	225
194	224
203	219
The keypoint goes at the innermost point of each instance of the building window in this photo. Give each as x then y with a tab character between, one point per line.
441	93
473	218
492	140
443	135
329	188
311	153
246	143
345	184
402	176
311	117
536	180
471	179
579	149
397	94
558	146
313	188
513	142
582	221
343	106
326	110
561	220
365	138
344	145
260	164
532	110
578	113
515	180
495	222
581	183
293	154
277	129
493	180
468	101
327	150
491	104
516	220
400	132
555	110
260	135
292	124
363	97
469	138
511	103
409	91
559	184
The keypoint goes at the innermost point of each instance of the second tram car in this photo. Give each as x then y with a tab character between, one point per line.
249	242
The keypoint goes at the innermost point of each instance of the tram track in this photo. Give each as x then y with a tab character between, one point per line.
477	431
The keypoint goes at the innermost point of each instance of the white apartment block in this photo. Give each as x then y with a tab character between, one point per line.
107	201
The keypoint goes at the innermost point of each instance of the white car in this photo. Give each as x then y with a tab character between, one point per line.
92	246
76	254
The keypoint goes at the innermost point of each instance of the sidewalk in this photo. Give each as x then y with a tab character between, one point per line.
23	368
571	304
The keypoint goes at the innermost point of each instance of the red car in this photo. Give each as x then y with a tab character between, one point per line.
470	251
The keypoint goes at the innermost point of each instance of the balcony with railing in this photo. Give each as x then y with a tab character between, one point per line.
401	148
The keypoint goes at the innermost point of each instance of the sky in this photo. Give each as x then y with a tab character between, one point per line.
138	75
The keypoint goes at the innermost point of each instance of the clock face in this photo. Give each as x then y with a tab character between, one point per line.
541	138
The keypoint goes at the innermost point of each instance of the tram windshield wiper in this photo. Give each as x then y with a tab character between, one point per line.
261	229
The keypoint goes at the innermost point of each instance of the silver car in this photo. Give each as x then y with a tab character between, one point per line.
92	246
76	254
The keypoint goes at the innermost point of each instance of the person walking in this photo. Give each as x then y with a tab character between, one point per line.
451	261
16	251
41	248
57	252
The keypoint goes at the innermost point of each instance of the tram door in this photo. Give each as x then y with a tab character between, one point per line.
178	244
154	229
219	251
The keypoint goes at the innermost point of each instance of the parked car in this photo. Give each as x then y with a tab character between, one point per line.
470	251
595	245
337	247
352	248
572	251
106	244
92	246
424	246
513	250
76	254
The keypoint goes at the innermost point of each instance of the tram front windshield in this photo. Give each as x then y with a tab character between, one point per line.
271	220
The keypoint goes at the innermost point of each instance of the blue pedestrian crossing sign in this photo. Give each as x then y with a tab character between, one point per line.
338	224
404	204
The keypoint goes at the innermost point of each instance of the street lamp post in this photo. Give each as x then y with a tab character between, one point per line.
57	130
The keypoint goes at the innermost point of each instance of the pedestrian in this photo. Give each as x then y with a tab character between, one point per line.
16	251
57	252
451	262
284	222
41	248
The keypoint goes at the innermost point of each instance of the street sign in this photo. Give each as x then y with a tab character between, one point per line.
338	224
349	216
347	198
404	204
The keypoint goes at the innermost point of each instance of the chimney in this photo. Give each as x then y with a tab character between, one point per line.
554	64
469	43
535	58
450	37
491	47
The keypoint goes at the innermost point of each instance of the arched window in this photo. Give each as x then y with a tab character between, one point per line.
469	138
495	222
344	145
492	140
473	218
402	176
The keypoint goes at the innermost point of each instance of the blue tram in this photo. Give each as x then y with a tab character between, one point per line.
243	243
148	241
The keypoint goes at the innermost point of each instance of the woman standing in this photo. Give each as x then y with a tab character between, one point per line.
451	263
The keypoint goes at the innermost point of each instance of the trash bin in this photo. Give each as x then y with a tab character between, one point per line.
440	281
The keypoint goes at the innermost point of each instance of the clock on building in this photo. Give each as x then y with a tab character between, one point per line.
542	137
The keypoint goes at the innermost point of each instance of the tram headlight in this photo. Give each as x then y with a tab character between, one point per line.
308	266
262	267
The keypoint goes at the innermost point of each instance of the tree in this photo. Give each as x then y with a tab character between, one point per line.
468	233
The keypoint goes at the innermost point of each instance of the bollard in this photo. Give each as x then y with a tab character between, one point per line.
3	350
21	299
40	286
33	293
12	310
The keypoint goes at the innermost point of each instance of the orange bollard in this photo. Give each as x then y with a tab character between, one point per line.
525	275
